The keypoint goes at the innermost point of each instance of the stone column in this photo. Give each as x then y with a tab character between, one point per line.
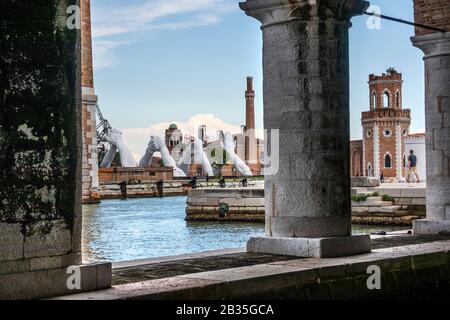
90	180
436	47
306	98
40	159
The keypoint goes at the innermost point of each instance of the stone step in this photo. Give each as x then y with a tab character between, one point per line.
372	202
372	210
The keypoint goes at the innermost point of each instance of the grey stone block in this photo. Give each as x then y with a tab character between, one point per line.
311	247
365	182
11	241
14	266
431	226
49	283
47	238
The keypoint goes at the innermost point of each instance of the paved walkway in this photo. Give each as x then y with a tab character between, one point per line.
165	269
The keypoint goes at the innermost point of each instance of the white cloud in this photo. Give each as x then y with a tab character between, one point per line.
104	53
136	20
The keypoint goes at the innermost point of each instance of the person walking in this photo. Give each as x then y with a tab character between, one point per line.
412	167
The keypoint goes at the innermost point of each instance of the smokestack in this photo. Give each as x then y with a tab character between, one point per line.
250	141
249	105
87	74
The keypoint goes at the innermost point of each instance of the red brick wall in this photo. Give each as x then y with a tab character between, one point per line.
435	13
368	148
380	84
388	146
356	158
385	118
87	79
117	175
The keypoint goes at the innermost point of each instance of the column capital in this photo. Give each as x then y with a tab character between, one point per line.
280	11
433	45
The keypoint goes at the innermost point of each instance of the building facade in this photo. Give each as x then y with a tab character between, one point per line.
385	128
173	136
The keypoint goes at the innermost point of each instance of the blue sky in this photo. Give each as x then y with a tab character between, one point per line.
159	61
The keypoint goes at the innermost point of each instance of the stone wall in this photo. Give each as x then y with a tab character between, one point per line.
143	190
117	175
238	204
40	163
435	13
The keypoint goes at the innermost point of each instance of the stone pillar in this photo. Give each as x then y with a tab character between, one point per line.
40	162
90	181
436	47
306	98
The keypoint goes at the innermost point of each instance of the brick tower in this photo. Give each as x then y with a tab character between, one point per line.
89	124
385	127
250	136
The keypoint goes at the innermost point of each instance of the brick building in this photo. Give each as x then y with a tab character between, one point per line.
356	158
385	127
173	136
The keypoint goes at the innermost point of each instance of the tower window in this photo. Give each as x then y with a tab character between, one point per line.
397	99
387	161
387	132
369	133
386	100
374	100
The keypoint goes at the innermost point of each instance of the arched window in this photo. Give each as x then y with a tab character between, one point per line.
374	100
369	170
397	99
387	161
386	100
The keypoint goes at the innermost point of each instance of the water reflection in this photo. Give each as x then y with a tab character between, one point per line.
117	230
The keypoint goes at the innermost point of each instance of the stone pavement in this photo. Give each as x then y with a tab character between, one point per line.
171	268
410	266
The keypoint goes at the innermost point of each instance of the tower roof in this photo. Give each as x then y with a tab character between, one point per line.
173	126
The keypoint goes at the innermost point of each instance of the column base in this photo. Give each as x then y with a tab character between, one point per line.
311	247
48	283
431	226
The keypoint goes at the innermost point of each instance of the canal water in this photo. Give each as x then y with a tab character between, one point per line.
119	230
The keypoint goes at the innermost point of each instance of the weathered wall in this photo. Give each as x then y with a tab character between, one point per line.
117	175
356	158
40	141
435	13
39	118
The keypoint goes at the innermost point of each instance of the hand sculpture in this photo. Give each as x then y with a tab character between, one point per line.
195	151
156	144
114	137
109	157
234	158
